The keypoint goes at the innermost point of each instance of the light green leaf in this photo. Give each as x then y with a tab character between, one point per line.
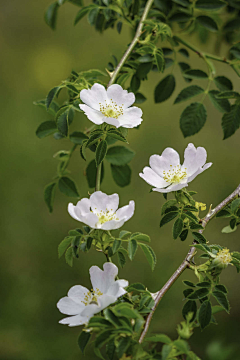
69	256
159	338
140	237
50	15
193	119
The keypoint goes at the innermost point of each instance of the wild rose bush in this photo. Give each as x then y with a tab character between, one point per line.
115	316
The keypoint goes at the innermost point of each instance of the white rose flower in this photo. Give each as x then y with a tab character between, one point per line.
82	304
166	173
100	211
111	106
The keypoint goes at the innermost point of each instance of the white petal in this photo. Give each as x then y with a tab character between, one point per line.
77	293
123	283
112	202
90	220
90	310
159	163
112	121
69	306
102	280
105	300
131	117
120	96
99	201
83	206
194	159
171	188
116	290
126	212
94	115
112	224
71	211
92	97
152	178
199	171
74	320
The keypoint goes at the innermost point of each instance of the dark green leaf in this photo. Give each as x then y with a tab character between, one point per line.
166	349
223	213
77	137
64	121
110	349
223	83
83	12
97	321
136	287
231	121
228	95
184	53
135	83
159	58
123	345
232	25
193	119
62	247
205	314
83	339
198	294
94	138
69	256
91	173
195	74
183	235
222	300
132	248
162	338
188	283
102	338
119	155
121	175
140	237
49	193
177	228
116	245
121	258
199	237
51	95
51	15
142	70
139	98
67	186
204	284
188	93
209	4
167	205
119	27
180	17
221	288
207	22
164	89
45	129
115	134
168	217
111	317
125	309
235	205
222	105
189	306
149	253
101	152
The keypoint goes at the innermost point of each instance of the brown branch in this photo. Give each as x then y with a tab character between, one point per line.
187	260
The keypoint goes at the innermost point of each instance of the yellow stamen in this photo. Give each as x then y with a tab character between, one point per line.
174	175
111	110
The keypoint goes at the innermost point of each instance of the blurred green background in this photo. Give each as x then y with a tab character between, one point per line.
33	60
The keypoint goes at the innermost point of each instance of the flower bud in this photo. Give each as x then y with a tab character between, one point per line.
222	259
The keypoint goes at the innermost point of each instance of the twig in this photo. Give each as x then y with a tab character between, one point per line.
187	260
133	43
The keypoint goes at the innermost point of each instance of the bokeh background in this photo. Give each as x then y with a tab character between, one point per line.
33	60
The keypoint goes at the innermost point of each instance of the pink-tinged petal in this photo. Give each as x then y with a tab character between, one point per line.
194	159
131	117
69	307
102	279
126	212
92	97
122	97
112	224
94	115
74	320
77	293
106	300
152	178
171	188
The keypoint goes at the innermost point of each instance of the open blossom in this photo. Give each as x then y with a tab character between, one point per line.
101	211
111	106
166	173
82	304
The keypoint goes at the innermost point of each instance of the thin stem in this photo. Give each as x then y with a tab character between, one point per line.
187	259
133	43
98	177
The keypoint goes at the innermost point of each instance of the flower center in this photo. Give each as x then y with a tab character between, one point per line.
224	257
104	216
175	174
91	297
111	110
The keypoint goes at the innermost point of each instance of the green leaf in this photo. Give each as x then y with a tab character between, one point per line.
115	134
77	137
64	120
97	321
223	83
183	235
198	294
51	95
199	238
62	247
222	105
119	155
140	237
195	74
189	306
222	300
49	193
159	338
45	129
125	309
136	287
124	234
181	345
205	314
132	248
112	318
188	283
139	98
53	108
221	288
102	338
67	186
231	121
166	349
121	258
83	12
180	17
207	22
231	25
235	205
123	345
193	119
228	95
216	309
159	58
184	53
116	245
121	175
91	173
224	213
149	253
69	256
227	229
209	5
204	284
168	204
135	83
188	93
143	69
101	152
168	217
83	339
50	15
164	89
177	228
